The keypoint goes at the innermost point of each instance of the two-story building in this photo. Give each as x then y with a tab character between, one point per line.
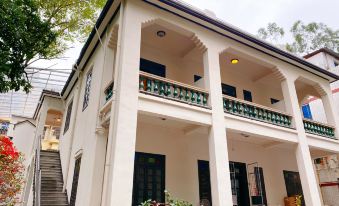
165	96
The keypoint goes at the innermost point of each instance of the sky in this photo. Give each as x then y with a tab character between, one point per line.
248	15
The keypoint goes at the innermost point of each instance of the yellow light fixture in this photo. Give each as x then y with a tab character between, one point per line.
58	120
234	61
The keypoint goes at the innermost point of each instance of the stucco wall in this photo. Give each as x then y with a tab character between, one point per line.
183	151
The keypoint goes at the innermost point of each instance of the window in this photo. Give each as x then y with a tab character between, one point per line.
247	96
68	116
152	67
273	101
196	78
75	181
307	111
87	90
228	90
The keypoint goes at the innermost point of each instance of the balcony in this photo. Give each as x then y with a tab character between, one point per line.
173	90
256	112
318	128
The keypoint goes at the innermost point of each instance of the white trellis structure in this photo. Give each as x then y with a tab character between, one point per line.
20	103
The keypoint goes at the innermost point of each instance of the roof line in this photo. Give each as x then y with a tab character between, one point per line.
205	18
325	50
89	40
250	38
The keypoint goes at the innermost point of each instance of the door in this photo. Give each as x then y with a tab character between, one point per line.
293	184
256	184
239	184
149	178
75	181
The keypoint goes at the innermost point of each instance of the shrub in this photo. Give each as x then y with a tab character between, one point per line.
11	172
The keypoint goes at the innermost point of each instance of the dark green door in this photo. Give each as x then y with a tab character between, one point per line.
293	184
149	178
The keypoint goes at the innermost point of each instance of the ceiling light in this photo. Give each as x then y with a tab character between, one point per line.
161	33
58	120
234	61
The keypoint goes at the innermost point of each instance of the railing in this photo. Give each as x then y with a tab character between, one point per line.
169	89
37	174
109	92
318	128
257	112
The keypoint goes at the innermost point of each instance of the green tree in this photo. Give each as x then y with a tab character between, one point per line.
23	37
72	19
306	37
272	33
312	36
39	29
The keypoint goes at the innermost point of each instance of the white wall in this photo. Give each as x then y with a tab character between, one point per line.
182	153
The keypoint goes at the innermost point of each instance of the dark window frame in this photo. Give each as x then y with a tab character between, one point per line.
68	116
87	92
229	90
273	100
76	174
247	95
152	67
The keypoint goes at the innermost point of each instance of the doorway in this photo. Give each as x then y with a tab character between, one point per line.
293	184
149	178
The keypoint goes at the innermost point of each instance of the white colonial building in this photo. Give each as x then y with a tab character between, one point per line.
164	96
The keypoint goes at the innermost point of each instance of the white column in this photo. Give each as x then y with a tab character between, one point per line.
218	151
123	122
331	111
303	156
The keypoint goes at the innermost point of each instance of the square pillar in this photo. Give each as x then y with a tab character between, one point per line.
217	141
123	122
303	156
331	111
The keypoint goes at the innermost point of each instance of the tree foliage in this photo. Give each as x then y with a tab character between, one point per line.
23	37
272	33
72	19
11	172
312	36
306	37
39	29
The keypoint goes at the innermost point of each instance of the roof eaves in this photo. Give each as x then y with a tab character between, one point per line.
198	14
89	40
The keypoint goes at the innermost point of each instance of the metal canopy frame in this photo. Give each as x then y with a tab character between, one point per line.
22	104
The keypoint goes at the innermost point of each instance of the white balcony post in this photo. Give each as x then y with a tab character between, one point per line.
331	111
123	122
303	156
218	152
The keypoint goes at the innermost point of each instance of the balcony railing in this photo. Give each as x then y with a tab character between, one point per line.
318	128
109	91
257	112
169	89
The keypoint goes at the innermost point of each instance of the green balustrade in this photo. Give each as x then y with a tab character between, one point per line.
109	92
252	111
319	129
169	89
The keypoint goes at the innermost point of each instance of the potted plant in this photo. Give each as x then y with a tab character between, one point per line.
169	201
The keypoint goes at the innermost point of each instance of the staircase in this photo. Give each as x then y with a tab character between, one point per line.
51	180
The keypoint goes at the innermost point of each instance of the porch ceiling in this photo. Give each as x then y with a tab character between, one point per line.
255	70
173	42
265	142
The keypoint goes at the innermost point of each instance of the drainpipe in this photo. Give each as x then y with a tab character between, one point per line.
73	125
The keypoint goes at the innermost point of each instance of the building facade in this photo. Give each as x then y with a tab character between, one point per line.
327	166
167	97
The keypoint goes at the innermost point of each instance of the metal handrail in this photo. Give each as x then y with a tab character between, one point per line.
37	174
